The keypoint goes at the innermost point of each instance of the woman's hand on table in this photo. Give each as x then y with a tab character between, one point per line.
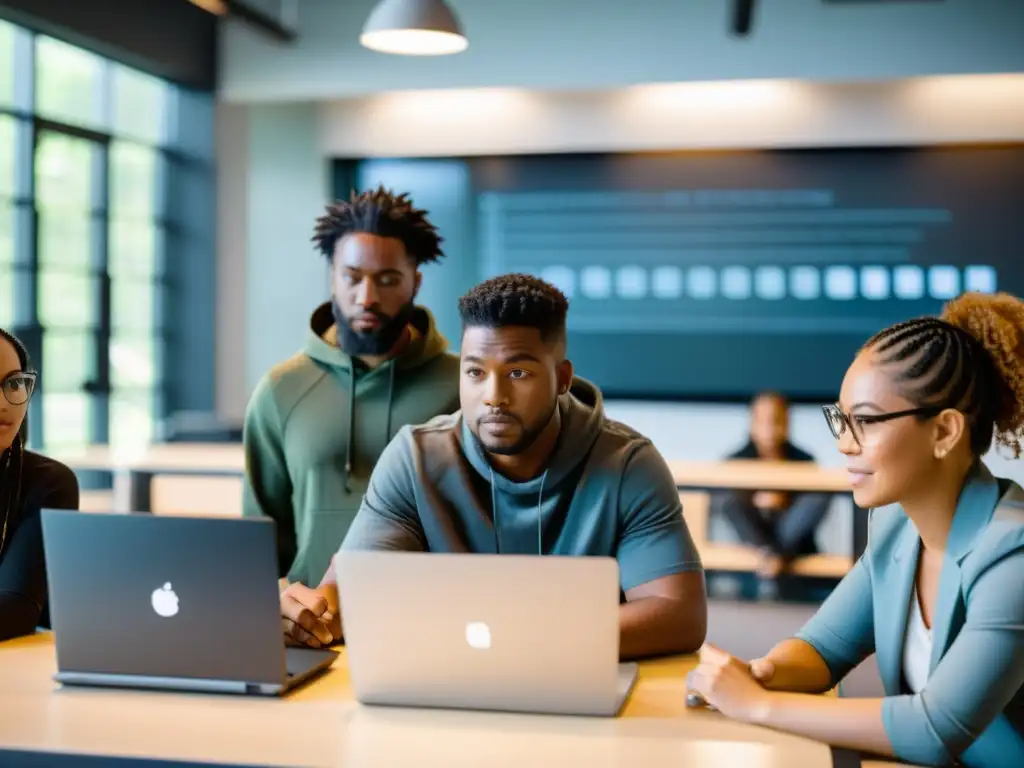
731	685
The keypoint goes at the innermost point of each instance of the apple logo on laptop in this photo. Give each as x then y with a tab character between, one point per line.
478	635
165	601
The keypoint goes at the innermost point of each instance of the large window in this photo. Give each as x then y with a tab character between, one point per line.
84	156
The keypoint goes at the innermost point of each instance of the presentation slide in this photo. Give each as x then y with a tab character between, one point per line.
715	275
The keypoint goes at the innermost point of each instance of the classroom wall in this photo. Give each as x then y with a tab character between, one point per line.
231	138
601	44
293	107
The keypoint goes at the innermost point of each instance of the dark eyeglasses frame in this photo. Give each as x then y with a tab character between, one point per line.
32	375
873	418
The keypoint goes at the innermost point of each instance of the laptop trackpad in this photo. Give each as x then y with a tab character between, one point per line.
627	679
299	661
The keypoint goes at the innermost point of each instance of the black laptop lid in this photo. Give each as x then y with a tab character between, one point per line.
179	597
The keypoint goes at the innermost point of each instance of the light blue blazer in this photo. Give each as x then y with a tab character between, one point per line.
971	712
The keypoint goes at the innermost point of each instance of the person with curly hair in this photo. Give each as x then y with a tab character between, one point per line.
938	595
373	362
29	483
530	465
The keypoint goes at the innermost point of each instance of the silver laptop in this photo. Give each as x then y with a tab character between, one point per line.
491	632
187	603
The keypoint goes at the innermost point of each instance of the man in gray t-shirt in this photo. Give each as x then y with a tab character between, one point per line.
528	466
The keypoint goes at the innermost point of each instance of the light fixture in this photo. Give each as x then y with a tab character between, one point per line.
413	28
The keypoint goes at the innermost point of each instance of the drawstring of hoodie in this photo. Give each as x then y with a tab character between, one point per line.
351	428
349	443
391	394
497	526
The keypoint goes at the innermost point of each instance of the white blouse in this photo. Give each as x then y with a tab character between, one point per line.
917	647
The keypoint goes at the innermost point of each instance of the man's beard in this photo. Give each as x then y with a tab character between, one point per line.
378	342
526	439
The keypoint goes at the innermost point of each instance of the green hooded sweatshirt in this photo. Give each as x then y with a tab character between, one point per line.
318	422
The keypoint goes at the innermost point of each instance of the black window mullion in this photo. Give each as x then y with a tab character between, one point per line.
26	223
32	335
100	388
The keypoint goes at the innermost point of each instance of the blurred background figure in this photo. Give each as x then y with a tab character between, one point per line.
780	524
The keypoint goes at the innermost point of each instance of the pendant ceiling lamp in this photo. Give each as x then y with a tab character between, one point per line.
413	28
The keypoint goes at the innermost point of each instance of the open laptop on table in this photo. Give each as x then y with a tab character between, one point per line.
492	632
187	603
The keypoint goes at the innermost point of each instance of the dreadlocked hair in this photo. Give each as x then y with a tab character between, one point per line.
516	299
971	358
379	212
12	460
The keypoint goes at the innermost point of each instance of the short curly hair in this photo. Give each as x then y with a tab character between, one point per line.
516	300
380	212
971	358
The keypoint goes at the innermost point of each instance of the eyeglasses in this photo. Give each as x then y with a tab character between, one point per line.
838	421
18	387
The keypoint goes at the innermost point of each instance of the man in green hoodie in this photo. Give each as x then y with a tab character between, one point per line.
529	466
373	362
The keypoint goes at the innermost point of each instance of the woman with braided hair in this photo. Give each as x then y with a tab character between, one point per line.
29	483
938	594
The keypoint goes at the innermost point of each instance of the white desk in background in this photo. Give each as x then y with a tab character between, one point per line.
133	470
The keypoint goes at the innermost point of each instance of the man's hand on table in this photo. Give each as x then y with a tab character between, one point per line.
306	618
771	501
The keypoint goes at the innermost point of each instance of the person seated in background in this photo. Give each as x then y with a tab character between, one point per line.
530	465
781	525
938	595
374	361
28	483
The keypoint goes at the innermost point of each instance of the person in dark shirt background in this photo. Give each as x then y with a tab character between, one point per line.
28	483
780	525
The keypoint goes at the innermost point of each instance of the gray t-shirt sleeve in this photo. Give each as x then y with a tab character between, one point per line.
387	518
654	540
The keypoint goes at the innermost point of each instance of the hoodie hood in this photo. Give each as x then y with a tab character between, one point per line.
582	413
360	381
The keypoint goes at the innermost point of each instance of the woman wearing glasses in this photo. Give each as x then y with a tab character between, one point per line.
938	595
28	483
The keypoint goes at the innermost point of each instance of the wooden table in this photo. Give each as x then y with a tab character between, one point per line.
320	724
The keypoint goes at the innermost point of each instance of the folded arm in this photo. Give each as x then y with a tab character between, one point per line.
22	563
22	580
666	599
